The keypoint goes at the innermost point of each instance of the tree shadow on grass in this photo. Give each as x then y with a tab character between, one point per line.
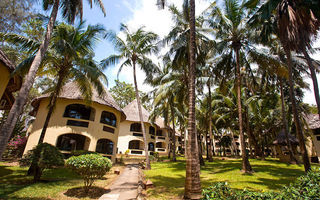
4	171
79	192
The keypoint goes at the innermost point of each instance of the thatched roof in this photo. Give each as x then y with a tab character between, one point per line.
132	113
281	139
160	122
313	121
5	60
72	91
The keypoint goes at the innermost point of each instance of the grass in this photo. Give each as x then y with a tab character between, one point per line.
58	183
270	175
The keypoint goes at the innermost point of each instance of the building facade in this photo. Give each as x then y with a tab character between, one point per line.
8	84
131	138
75	125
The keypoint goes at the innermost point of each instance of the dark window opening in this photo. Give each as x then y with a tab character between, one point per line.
70	142
135	127
151	146
152	130
79	111
77	123
316	131
318	138
104	146
159	132
134	144
137	134
108	129
108	118
160	145
136	152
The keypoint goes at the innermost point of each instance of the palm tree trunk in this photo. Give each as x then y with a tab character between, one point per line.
201	160
252	137
51	106
246	167
209	141
173	136
296	115
314	80
285	123
148	166
192	183
8	126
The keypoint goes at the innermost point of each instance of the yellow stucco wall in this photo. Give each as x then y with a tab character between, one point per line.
125	136
316	145
57	125
4	78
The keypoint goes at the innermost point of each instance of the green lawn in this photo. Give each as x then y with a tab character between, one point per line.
56	184
270	175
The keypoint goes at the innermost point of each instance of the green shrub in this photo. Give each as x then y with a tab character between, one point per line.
43	156
156	154
305	187
89	167
218	191
82	152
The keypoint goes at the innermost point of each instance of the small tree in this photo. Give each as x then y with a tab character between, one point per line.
43	156
89	167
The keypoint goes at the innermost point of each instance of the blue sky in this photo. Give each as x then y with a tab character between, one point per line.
136	13
117	13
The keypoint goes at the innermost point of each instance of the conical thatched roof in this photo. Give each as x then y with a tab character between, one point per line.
132	112
5	60
72	91
160	122
281	139
313	121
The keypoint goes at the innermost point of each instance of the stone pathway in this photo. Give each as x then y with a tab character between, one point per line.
125	187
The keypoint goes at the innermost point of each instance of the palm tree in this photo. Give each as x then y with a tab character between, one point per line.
69	57
231	29
133	50
192	182
70	10
296	24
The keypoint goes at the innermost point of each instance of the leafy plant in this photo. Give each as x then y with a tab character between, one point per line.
305	187
89	167
82	152
43	156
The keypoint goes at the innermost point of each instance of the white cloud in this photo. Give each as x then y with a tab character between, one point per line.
147	13
309	94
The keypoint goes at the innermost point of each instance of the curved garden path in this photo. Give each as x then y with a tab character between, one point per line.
125	187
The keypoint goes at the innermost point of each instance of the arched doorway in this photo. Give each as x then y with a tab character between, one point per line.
104	146
70	142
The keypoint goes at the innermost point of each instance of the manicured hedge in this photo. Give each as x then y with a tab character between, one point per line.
89	167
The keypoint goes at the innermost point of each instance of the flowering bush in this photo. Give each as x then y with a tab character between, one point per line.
16	146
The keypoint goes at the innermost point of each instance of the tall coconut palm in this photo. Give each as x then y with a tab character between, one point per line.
69	57
70	10
134	50
231	29
295	26
192	183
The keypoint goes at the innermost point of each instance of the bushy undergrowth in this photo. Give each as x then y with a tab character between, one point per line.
89	167
305	187
43	156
